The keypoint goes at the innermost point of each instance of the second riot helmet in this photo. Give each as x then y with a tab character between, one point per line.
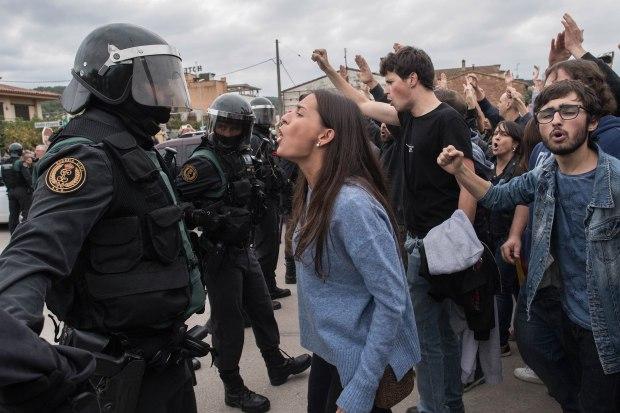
264	111
230	121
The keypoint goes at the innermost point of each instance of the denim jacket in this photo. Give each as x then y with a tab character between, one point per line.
602	230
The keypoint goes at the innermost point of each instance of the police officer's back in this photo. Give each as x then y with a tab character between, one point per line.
104	240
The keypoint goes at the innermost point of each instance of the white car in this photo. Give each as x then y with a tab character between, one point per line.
4	206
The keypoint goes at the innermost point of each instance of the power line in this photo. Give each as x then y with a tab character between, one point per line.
247	67
297	53
287	73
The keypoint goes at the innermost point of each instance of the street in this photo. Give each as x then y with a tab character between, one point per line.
510	396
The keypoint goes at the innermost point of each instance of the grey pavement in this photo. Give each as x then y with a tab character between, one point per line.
512	395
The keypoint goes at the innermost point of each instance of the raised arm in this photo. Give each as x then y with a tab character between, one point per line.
379	111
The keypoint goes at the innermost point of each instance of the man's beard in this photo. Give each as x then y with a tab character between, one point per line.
567	147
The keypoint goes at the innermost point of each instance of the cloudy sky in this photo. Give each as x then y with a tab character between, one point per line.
39	38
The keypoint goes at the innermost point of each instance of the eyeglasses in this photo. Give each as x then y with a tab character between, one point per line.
567	112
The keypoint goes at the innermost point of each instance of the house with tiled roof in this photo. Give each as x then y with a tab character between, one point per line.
490	78
20	103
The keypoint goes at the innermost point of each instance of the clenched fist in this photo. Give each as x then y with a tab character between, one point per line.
450	159
320	57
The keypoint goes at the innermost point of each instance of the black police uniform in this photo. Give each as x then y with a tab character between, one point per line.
105	246
17	178
221	182
53	373
267	234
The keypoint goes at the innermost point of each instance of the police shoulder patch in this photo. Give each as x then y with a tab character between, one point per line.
66	175
189	173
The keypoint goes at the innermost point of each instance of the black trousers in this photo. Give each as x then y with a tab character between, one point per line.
324	388
267	242
238	284
20	199
598	392
167	391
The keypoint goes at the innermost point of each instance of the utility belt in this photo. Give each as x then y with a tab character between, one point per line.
122	360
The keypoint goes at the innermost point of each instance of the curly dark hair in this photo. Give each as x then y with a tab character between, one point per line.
588	72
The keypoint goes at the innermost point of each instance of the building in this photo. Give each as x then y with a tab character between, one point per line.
19	103
245	90
291	95
490	79
203	89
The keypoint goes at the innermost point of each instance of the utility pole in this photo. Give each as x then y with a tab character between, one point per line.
278	73
346	64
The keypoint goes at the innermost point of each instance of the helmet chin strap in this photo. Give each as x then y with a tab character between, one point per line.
143	121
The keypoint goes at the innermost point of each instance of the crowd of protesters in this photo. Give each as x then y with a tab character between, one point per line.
538	186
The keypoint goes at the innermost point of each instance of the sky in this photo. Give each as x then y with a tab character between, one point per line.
39	38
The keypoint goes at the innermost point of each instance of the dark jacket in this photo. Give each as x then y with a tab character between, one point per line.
492	113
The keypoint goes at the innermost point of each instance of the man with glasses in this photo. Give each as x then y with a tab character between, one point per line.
576	234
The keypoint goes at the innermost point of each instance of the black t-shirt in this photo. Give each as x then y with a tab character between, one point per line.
431	194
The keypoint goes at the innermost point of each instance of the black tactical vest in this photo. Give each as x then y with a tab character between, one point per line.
238	174
132	274
12	174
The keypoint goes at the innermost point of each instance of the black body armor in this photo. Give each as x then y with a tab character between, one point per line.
132	272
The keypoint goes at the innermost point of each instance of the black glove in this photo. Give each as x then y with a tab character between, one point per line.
207	218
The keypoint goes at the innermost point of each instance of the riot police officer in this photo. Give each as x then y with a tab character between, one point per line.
104	246
267	234
17	178
219	180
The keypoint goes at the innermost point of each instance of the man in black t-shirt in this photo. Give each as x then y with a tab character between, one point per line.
431	196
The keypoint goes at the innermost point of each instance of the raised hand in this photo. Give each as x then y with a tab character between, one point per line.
442	83
470	96
472	79
573	36
450	159
508	77
397	47
320	57
558	51
538	83
344	73
365	74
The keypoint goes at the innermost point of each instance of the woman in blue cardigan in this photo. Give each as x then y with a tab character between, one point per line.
354	308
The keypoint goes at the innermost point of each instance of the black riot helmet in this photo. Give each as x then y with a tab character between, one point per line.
230	122
119	61
16	150
264	111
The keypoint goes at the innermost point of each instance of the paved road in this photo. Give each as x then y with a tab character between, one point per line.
510	396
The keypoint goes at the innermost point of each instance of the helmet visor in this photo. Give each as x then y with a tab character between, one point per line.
158	80
265	114
227	125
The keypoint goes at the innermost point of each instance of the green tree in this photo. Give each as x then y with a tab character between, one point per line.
21	131
52	109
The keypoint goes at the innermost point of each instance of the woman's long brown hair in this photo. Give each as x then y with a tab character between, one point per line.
348	159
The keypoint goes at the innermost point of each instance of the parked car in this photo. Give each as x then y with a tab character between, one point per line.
4	206
184	146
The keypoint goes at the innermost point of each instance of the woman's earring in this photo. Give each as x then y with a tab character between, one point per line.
318	144
514	148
